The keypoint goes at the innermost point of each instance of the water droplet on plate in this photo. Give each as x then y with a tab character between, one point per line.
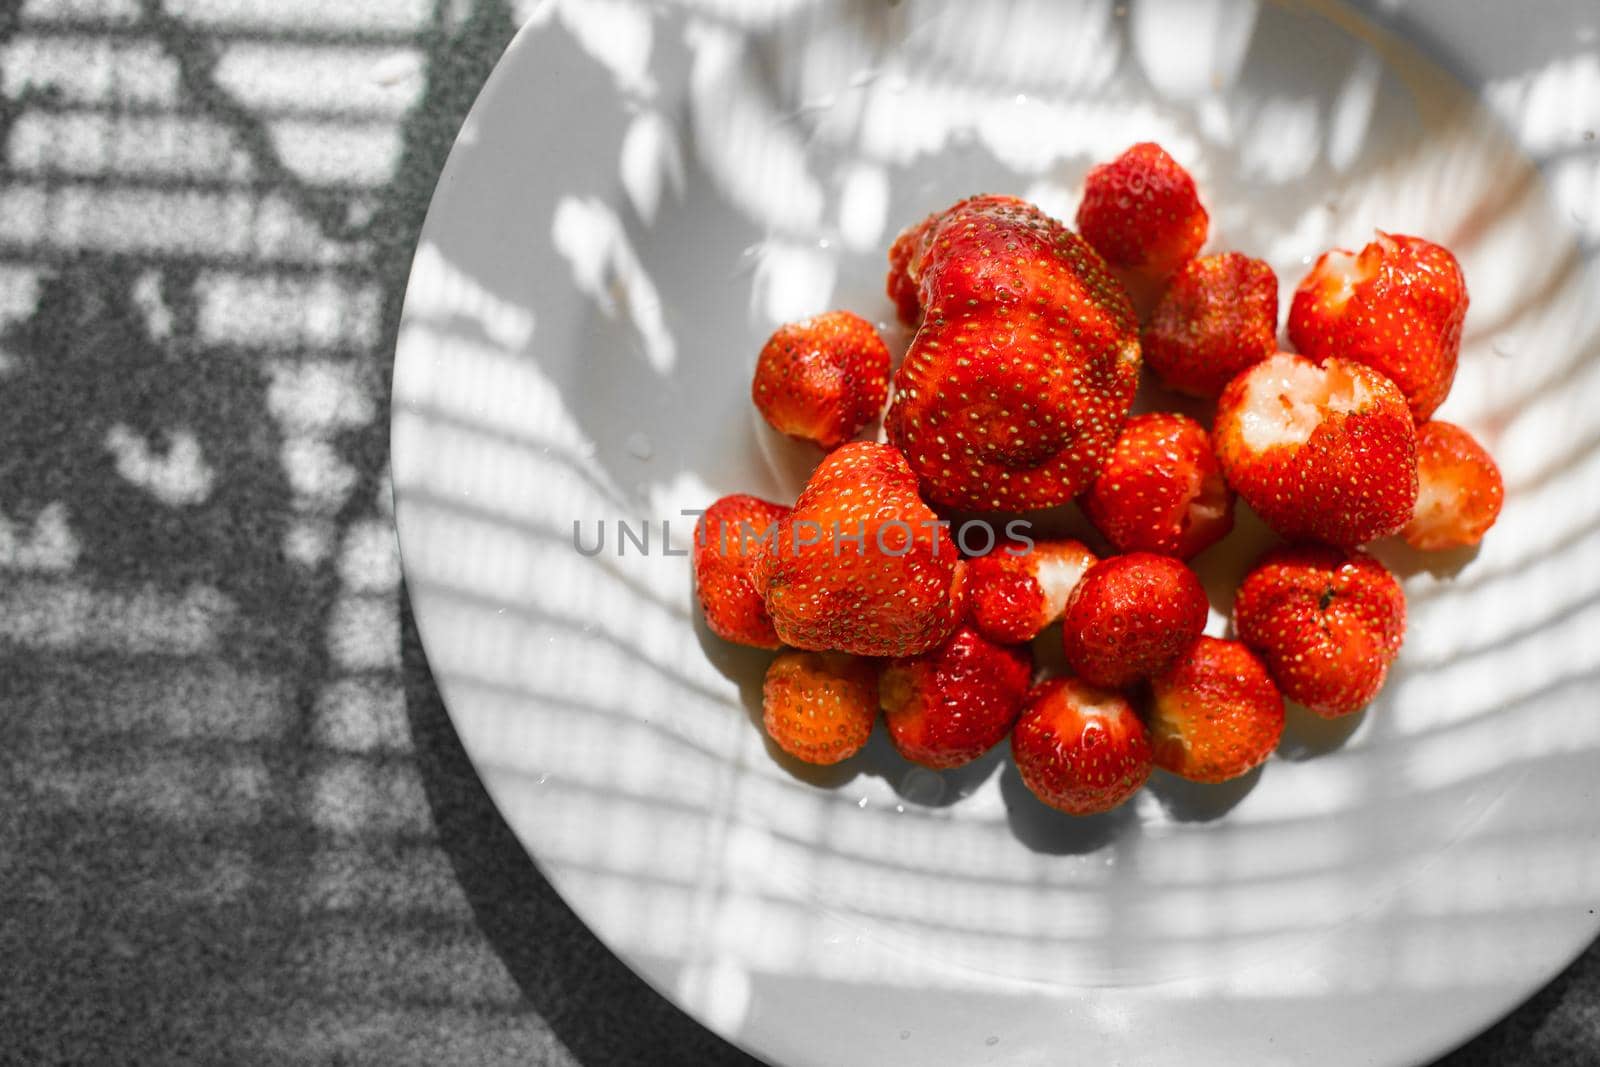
639	446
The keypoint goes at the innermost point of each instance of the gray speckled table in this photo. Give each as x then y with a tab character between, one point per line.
238	825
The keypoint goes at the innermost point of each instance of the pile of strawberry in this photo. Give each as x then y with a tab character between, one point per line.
1014	396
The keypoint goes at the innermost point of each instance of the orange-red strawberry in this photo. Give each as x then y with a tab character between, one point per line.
1130	616
1321	452
1026	361
822	379
1328	623
728	540
1141	212
1218	315
1215	713
1080	749
820	707
1163	490
947	707
1397	307
1018	589
861	564
1459	491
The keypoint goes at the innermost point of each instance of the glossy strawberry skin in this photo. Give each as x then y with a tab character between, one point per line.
727	544
1130	616
1459	489
1025	362
1018	589
1215	713
822	379
1217	316
1352	480
1327	622
1080	749
820	707
947	707
1142	213
860	564
1398	307
1163	490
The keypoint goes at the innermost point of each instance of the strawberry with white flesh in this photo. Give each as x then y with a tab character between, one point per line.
947	707
1398	307
819	707
1080	749
1328	623
1215	714
1017	589
1323	452
1459	491
1163	490
728	540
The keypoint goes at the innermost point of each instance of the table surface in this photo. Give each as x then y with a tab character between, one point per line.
238	824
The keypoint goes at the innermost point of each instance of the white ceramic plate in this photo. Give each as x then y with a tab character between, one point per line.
642	191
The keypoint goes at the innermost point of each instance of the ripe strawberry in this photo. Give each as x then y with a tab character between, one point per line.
1025	363
947	707
727	543
1218	316
1163	490
1141	212
822	379
1459	491
820	707
1323	452
1397	307
861	563
1214	714
1080	749
1131	616
1016	590
1328	623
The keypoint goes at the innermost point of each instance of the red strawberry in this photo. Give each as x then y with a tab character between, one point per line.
947	707
820	707
1025	363
1323	452
1080	749
822	379
728	539
1328	623
862	564
1459	491
1141	212
1131	616
1163	490
1218	316
1018	589
1214	714
1397	307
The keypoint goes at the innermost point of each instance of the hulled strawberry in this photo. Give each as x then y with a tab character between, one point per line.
1218	315
1018	588
820	707
1142	213
1459	491
1025	362
1080	749
1398	307
1327	622
861	564
1130	616
1322	452
822	379
1163	490
1215	714
947	707
728	540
